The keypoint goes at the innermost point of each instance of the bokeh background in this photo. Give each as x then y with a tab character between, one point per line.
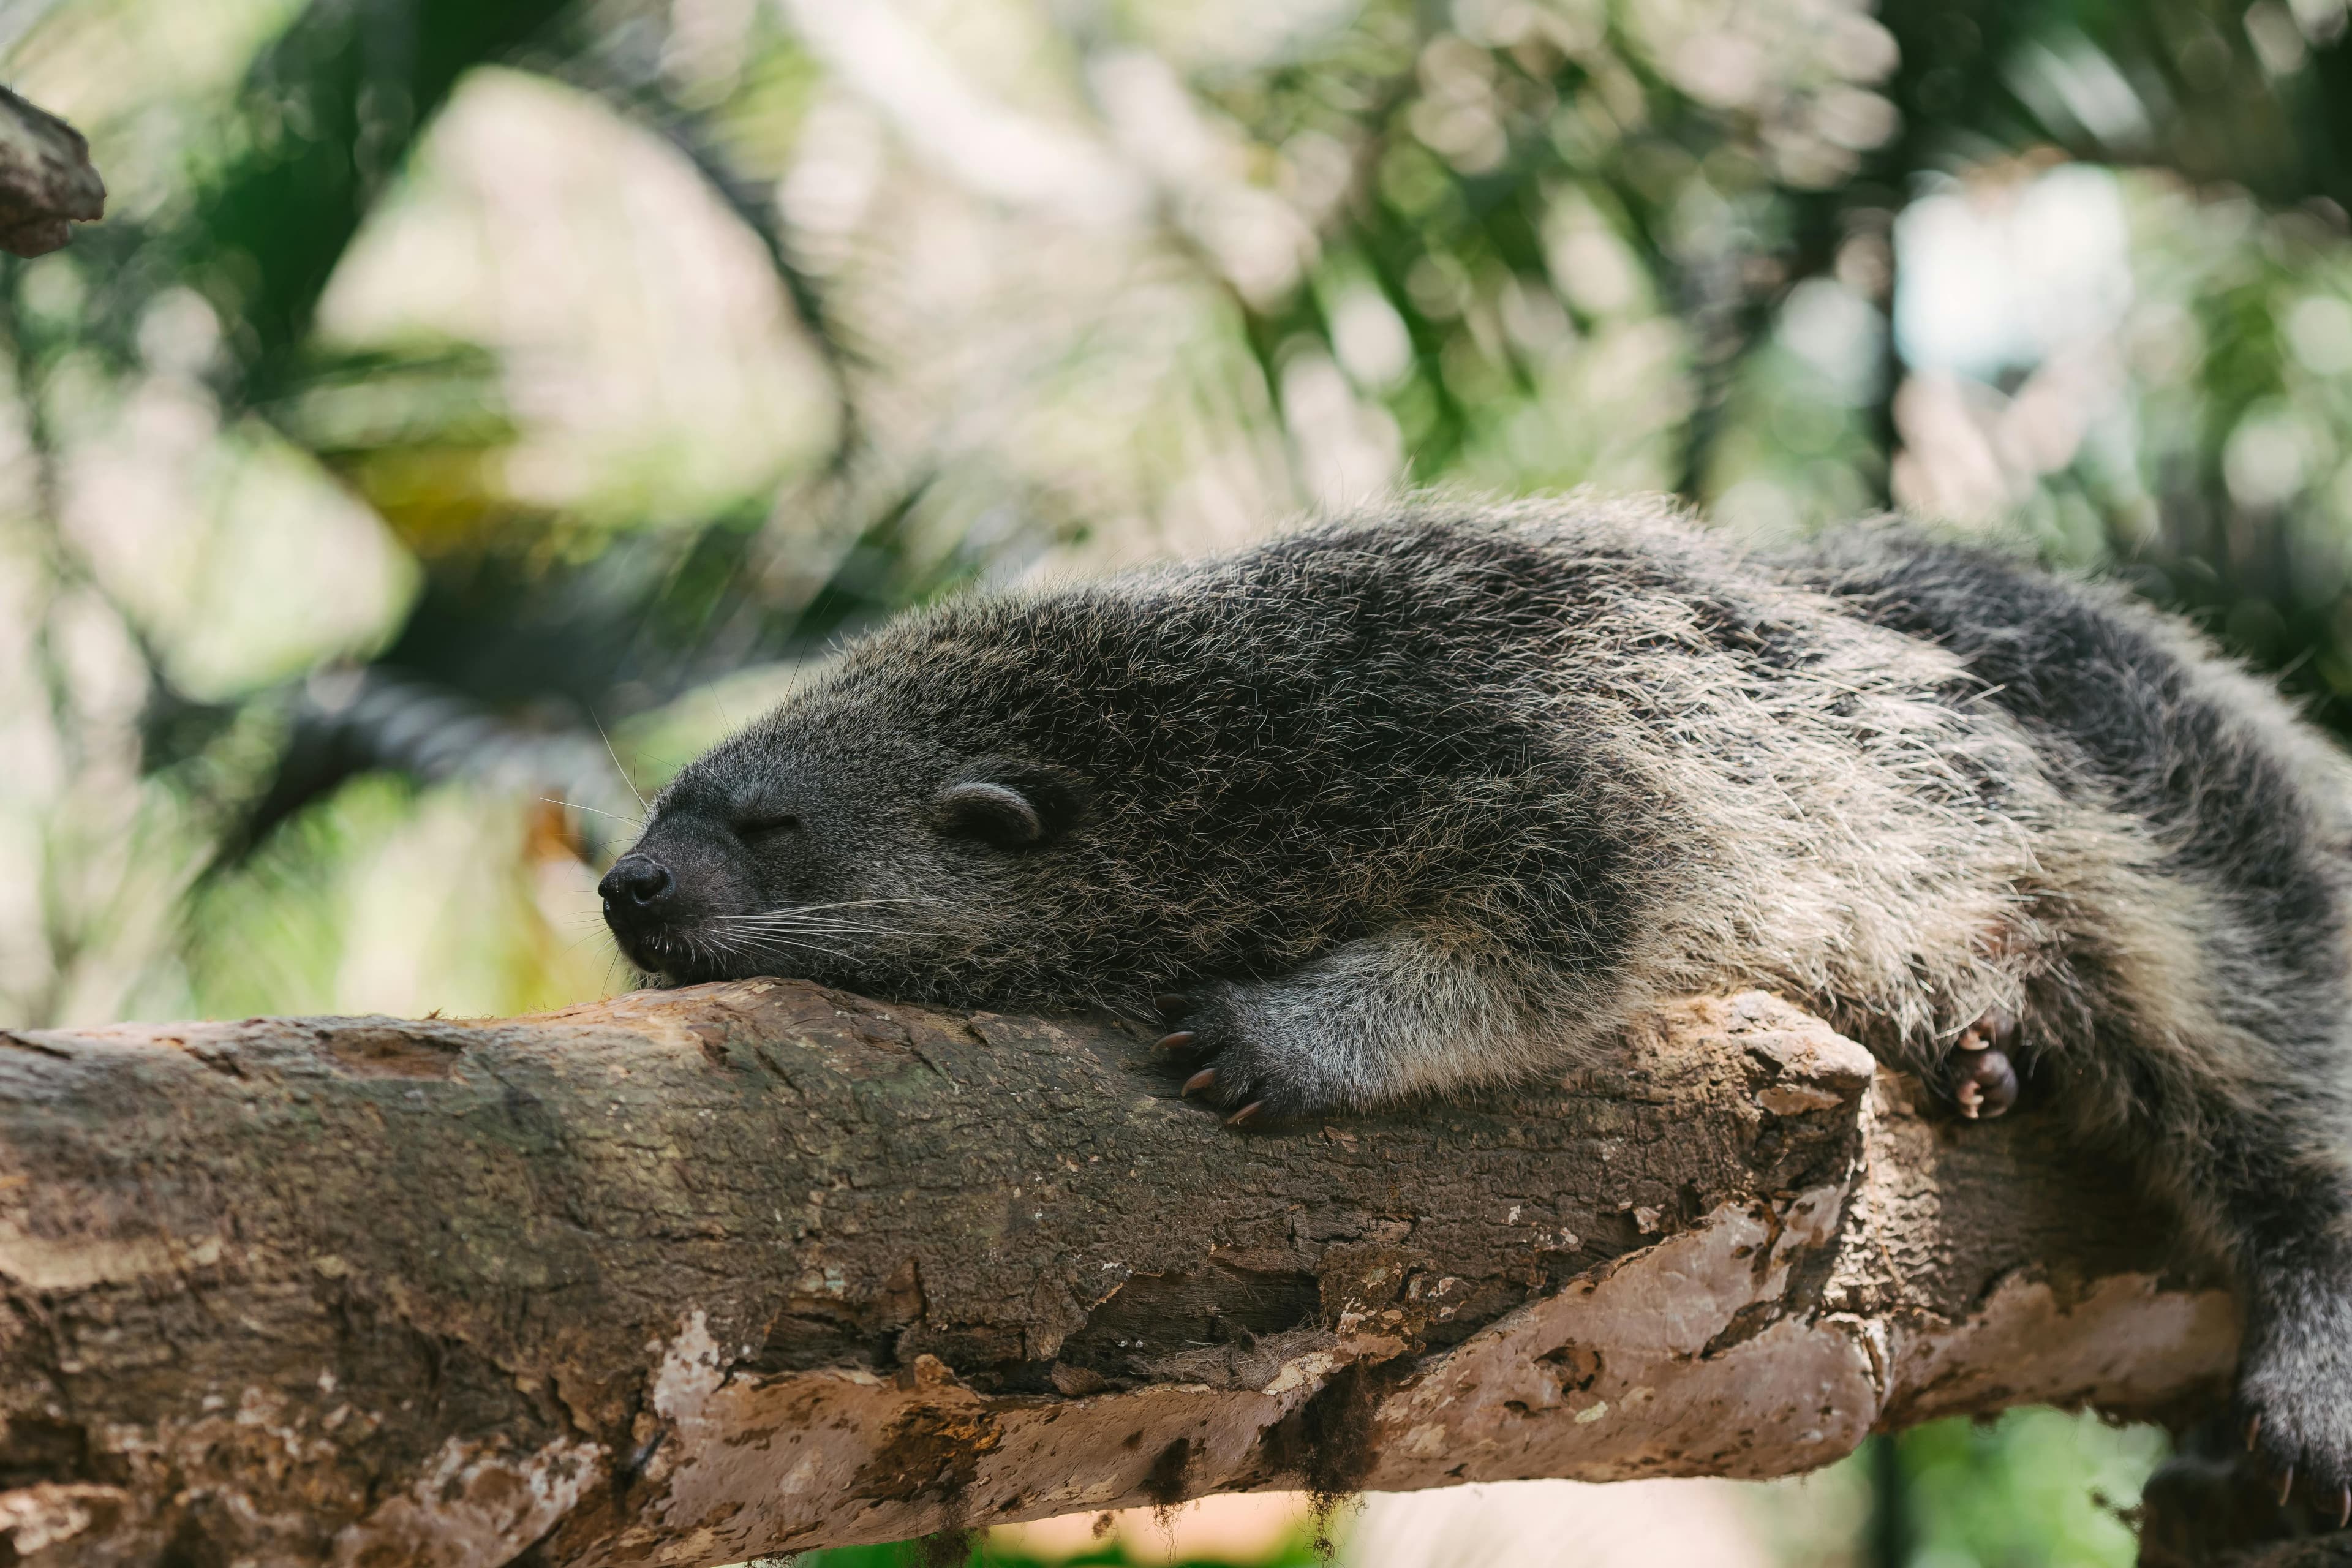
470	409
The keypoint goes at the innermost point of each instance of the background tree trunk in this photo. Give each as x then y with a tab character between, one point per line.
47	182
692	1276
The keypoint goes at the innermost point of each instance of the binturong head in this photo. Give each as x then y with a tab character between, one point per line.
995	802
845	839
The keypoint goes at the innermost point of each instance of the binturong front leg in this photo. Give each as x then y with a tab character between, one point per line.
1407	1012
2295	1375
2254	1138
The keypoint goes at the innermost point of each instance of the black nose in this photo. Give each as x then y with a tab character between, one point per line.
636	880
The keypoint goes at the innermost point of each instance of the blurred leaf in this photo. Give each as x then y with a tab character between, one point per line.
328	115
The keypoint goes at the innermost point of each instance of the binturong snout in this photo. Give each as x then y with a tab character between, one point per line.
641	898
662	897
636	881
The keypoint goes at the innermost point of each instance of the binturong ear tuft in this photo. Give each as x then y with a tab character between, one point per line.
1010	805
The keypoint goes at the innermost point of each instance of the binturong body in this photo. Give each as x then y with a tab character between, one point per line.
1439	796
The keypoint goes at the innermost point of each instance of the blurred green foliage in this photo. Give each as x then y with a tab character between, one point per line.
1503	243
2032	1487
468	409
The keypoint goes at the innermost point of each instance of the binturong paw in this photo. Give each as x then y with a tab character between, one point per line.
1984	1073
2295	1400
1238	1060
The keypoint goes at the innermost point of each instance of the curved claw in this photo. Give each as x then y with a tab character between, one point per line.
1993	1029
1246	1114
1199	1081
2253	1430
1988	1085
1171	1004
1175	1042
2287	1487
2344	1508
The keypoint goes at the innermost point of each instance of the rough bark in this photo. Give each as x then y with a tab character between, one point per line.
689	1278
47	182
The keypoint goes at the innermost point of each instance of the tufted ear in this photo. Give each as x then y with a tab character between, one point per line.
1010	804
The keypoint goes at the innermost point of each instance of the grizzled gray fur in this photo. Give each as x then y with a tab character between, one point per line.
1438	796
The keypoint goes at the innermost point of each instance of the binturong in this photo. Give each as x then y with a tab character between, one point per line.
1438	796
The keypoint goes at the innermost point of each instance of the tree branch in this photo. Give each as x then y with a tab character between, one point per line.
687	1278
47	182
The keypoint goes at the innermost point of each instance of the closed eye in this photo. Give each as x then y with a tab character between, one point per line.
766	826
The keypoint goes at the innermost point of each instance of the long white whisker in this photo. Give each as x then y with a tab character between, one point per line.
764	943
788	933
628	821
749	944
616	759
810	913
785	922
